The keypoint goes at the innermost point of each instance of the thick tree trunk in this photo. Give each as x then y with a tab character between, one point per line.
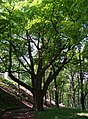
38	94
38	100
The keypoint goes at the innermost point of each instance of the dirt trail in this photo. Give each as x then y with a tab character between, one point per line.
25	113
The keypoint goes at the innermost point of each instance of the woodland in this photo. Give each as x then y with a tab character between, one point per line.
44	51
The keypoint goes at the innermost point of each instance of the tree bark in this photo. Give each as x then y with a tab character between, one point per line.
56	89
56	93
81	80
38	100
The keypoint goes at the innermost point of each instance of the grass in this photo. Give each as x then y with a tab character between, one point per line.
62	113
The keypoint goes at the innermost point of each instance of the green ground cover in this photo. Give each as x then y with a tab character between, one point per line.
62	113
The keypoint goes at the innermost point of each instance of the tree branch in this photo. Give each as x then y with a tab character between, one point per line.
20	82
52	76
51	61
20	59
53	23
30	54
3	62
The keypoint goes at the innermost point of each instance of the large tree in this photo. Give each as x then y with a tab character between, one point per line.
38	35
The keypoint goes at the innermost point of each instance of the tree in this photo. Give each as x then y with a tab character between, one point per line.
77	71
39	34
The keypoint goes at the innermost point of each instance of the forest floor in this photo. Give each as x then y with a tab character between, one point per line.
12	106
14	103
24	113
62	113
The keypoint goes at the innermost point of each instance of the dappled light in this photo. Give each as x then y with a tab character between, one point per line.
83	114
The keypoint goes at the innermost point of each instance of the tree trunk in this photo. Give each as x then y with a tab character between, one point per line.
38	94
56	99
82	101
81	80
56	90
78	94
72	91
82	93
56	94
38	100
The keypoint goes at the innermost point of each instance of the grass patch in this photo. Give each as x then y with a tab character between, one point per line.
62	113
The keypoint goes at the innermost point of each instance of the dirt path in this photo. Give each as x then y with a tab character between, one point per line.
24	113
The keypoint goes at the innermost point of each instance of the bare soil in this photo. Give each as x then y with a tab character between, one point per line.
25	113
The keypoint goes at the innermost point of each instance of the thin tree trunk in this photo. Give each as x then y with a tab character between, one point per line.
56	90
78	93
81	79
